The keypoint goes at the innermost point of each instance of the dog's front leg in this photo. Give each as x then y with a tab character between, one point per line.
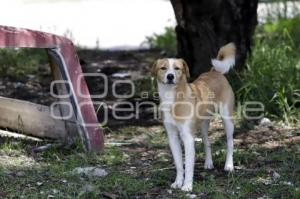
189	149
176	150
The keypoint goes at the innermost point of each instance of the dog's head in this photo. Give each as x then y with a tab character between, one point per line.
170	71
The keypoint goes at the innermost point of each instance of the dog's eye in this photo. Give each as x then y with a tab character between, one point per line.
177	68
163	68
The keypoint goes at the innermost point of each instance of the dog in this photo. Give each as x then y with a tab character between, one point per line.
189	107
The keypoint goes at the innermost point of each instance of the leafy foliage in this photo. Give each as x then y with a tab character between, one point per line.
272	74
166	41
16	63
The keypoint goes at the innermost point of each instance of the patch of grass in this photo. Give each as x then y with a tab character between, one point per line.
113	156
166	41
159	140
123	185
146	88
288	27
272	73
139	171
16	63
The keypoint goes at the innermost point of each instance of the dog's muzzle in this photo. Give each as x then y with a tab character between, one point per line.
170	79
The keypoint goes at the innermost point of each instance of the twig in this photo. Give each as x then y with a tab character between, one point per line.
47	147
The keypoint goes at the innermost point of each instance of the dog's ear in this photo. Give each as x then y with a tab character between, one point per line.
154	68
186	69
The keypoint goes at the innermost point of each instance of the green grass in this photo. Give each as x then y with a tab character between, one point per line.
145	169
272	73
165	41
16	63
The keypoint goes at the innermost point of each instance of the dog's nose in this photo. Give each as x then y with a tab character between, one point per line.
170	77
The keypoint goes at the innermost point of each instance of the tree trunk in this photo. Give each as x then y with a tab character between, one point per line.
205	25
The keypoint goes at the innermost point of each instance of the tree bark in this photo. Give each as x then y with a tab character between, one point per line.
203	26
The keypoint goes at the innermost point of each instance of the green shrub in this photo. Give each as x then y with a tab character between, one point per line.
288	27
166	41
272	74
16	63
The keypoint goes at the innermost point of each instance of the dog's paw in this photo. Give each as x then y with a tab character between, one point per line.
229	167
177	184
208	165
187	187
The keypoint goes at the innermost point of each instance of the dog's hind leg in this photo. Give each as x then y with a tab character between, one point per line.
226	115
207	146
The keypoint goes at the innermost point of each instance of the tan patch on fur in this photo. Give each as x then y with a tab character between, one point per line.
185	67
220	90
226	51
157	67
185	101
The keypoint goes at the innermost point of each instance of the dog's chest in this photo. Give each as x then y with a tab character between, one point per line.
167	93
167	96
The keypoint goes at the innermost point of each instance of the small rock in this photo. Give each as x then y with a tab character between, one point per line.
263	197
169	191
39	183
241	167
87	188
90	171
287	183
50	196
20	174
30	76
275	175
8	172
18	85
203	195
265	122
55	191
191	196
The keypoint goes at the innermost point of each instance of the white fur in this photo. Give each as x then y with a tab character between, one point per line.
223	66
171	70
166	93
229	128
176	150
187	138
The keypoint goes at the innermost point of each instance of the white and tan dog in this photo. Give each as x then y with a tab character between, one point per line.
189	107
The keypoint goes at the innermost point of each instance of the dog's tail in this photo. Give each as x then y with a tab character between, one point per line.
225	59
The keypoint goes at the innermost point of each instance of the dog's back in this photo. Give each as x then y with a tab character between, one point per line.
218	87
